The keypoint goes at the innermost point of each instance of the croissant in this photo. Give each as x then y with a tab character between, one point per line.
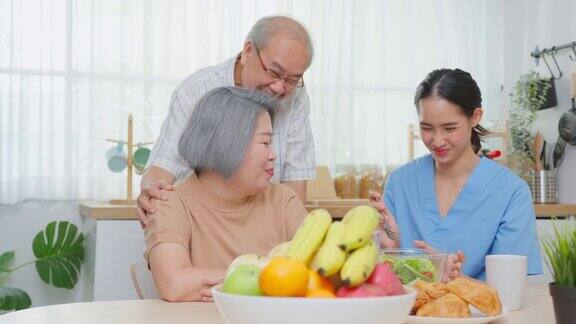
449	305
479	295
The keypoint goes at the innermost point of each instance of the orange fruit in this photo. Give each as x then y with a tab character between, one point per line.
317	282
320	293
284	277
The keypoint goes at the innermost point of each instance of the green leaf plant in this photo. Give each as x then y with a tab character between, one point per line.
560	249
59	252
527	97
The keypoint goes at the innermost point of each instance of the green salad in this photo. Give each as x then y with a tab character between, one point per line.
409	269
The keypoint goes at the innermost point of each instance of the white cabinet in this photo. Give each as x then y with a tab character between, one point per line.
113	245
120	243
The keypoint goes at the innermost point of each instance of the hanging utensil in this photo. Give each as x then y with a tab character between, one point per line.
567	123
558	154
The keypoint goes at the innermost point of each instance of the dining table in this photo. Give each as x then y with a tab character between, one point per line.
537	309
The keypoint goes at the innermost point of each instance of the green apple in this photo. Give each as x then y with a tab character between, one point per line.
248	258
243	280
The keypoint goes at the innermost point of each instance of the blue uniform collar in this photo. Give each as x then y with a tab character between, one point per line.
467	199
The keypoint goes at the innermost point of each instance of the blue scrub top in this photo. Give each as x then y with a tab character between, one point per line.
493	214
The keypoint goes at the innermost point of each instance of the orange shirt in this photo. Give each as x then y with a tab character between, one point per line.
215	230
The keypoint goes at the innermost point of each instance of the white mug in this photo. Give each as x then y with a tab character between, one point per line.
507	274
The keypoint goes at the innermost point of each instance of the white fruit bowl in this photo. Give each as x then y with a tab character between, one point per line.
238	309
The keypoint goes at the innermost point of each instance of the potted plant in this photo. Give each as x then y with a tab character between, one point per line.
528	96
59	252
560	250
549	88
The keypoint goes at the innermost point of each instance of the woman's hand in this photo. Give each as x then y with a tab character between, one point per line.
452	265
385	217
206	293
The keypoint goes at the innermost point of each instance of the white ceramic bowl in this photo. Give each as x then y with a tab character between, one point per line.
238	309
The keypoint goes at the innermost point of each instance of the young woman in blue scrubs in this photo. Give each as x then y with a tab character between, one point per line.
453	199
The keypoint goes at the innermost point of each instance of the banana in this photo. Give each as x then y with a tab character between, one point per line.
309	235
361	221
359	265
330	258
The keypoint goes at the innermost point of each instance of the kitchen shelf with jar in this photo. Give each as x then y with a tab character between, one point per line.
337	208
320	194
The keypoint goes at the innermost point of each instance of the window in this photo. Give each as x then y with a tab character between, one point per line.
71	71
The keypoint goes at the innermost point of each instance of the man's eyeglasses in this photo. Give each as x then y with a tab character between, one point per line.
293	81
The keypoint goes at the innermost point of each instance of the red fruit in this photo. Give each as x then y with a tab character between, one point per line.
384	278
494	154
344	291
364	290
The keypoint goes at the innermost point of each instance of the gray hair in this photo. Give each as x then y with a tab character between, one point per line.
221	128
267	27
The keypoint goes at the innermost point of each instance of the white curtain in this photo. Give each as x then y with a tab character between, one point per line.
72	70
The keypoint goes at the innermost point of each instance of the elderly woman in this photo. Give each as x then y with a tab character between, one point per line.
228	206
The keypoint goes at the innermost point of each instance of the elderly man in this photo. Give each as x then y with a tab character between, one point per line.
276	53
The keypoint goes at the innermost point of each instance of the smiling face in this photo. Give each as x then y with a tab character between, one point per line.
445	129
255	171
283	56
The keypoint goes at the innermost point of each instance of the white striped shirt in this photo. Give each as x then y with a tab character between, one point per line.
293	142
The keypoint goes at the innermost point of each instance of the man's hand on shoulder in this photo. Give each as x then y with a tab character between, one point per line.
155	182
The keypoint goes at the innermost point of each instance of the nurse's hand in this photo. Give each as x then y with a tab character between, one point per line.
454	262
385	217
452	265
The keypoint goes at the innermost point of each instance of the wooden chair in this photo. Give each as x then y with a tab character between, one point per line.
504	134
143	281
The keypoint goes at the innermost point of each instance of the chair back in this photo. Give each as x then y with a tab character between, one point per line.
143	281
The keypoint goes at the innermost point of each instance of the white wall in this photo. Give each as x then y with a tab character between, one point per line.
18	226
528	23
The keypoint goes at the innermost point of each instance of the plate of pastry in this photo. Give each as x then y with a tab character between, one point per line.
462	300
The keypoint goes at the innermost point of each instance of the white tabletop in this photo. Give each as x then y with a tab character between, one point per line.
537	309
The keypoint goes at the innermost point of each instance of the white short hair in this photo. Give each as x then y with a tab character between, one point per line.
267	27
221	128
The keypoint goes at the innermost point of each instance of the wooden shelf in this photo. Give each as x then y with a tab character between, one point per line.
547	210
336	207
105	210
339	207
